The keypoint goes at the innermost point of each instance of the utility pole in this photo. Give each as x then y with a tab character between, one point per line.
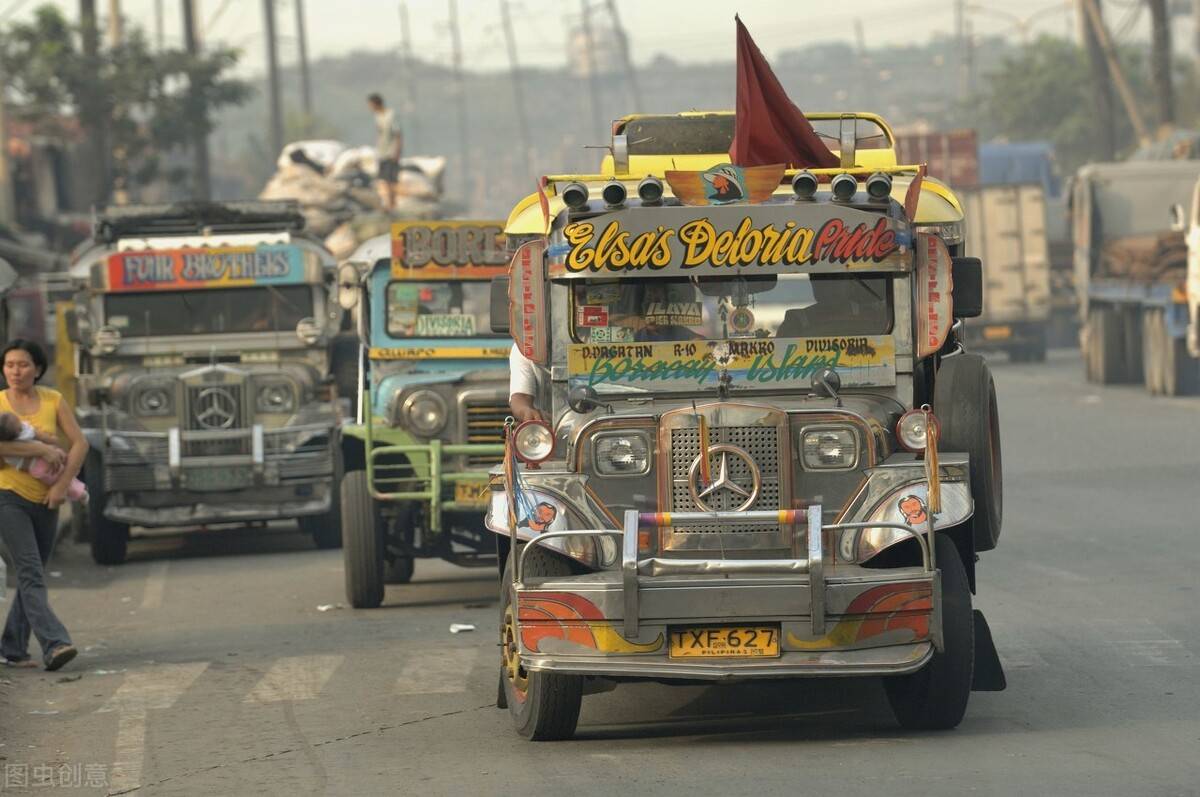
623	43
305	84
589	44
93	110
410	82
460	102
159	38
1101	84
116	27
1160	61
1092	9
7	200
518	92
273	99
201	185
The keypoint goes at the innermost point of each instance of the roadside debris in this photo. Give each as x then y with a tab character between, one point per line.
328	607
461	628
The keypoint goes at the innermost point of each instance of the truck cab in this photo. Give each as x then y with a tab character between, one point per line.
200	335
768	453
432	401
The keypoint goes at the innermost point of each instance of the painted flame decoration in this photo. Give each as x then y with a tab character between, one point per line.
932	475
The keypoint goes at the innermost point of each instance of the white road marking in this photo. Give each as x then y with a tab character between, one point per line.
140	691
1141	643
436	671
156	582
294	678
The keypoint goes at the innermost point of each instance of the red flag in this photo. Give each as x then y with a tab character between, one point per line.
769	127
543	200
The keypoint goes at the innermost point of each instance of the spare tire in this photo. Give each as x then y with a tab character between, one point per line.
964	401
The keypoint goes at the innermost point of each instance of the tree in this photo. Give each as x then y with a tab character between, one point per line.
151	101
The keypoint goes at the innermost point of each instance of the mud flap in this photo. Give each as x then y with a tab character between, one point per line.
989	674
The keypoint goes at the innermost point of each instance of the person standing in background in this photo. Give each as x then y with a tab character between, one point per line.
29	508
388	145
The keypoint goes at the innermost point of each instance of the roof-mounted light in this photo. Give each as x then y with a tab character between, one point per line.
575	195
650	190
804	184
879	186
614	193
844	187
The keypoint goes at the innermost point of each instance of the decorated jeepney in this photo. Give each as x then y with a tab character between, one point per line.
768	454
432	405
201	351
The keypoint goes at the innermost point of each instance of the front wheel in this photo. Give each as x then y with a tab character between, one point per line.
362	542
544	706
109	539
935	697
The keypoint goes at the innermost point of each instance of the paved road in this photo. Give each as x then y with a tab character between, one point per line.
209	669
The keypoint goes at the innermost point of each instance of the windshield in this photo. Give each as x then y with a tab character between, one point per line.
719	308
439	310
210	311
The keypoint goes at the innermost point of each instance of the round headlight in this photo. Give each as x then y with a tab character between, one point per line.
912	431
844	187
153	401
650	190
575	195
804	185
107	339
879	185
425	413
534	441
614	193
276	397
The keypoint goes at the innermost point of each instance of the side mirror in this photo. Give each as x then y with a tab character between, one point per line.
583	399
1178	218
967	274
499	306
349	286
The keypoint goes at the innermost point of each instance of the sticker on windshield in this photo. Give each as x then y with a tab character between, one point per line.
445	326
610	335
592	316
119	321
603	294
741	319
682	314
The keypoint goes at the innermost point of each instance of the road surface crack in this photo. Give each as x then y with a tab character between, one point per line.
288	751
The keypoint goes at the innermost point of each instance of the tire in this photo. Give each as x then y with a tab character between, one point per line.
1180	371
964	400
398	570
544	706
935	697
109	539
362	548
1152	354
1108	348
326	529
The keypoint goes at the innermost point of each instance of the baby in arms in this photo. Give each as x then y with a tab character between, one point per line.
12	428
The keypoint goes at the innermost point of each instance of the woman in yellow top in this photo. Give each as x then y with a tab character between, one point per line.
29	508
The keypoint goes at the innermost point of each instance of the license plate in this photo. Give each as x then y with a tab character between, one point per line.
470	493
997	333
225	478
740	642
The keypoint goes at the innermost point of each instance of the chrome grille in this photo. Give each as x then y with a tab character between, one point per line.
485	424
760	442
215	407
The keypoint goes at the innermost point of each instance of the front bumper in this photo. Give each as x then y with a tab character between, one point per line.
187	477
832	619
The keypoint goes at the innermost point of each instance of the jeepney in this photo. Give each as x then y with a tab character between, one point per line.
769	456
201	351
433	400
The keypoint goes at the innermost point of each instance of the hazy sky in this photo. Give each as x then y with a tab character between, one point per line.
688	30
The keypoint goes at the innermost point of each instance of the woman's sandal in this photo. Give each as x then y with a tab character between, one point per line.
60	656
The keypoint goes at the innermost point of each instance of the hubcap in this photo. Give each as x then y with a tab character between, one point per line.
510	657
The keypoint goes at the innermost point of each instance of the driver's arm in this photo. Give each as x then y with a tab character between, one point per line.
522	387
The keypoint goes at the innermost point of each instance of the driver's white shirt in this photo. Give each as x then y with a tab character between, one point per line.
522	374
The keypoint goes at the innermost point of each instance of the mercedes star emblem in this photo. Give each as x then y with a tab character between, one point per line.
702	494
216	408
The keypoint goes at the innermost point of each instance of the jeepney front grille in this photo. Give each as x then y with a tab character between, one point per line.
760	442
215	407
485	424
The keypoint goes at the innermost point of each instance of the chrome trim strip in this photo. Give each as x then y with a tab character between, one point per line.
256	446
629	572
708	567
174	451
816	571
